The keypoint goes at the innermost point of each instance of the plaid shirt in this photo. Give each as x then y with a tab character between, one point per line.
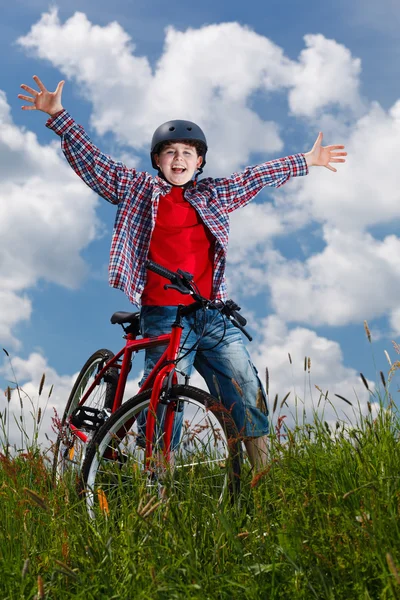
137	194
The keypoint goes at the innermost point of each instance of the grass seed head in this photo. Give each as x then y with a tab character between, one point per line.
392	567
40	584
285	398
395	367
36	498
25	568
383	379
41	384
275	404
365	382
237	387
367	331
344	399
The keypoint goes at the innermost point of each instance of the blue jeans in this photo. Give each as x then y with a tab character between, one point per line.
225	365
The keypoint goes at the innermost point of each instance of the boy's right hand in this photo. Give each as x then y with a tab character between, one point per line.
48	102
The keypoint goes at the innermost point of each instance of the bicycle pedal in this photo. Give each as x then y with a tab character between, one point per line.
86	417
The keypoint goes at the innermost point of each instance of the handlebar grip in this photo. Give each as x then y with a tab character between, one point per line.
239	318
160	270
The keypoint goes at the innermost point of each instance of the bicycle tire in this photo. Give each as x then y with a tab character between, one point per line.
113	468
68	450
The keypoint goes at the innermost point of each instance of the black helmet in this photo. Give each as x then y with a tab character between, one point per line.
173	131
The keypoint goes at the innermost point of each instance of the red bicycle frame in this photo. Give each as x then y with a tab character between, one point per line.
164	367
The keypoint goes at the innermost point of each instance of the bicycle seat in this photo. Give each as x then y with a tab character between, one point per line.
122	317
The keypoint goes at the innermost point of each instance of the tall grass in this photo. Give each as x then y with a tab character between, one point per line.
322	521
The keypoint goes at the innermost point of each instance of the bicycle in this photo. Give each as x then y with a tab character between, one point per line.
100	438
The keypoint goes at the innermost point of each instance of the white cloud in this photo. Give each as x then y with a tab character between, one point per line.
366	189
327	371
28	374
354	278
395	321
211	75
214	71
327	75
47	219
13	309
275	343
253	226
207	75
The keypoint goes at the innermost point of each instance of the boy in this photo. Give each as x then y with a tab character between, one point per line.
180	222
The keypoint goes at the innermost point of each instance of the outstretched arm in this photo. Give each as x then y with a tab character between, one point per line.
242	187
47	102
110	179
322	156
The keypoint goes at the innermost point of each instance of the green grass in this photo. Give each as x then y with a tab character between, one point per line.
321	522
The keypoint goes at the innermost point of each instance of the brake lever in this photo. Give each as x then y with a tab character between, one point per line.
177	288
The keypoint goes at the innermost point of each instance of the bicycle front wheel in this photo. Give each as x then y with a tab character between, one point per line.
205	459
69	450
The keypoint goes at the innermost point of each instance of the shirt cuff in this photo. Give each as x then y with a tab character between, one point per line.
61	123
297	165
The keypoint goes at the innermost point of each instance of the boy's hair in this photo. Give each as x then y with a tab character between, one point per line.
199	146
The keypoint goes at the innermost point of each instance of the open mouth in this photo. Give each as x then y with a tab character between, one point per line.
178	170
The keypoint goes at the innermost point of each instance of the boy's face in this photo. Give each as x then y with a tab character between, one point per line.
178	162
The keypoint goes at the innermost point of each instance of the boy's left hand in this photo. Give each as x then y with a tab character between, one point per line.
322	156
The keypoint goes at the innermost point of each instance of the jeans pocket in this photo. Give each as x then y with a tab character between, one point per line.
261	398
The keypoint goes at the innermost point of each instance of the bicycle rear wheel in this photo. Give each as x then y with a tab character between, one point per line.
69	450
206	459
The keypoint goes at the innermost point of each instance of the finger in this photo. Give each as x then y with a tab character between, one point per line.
318	141
29	90
39	84
28	107
331	168
338	153
337	160
60	87
27	98
334	147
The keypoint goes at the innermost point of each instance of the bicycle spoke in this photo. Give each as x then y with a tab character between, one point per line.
69	452
201	459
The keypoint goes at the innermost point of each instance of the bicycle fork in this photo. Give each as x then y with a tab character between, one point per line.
166	376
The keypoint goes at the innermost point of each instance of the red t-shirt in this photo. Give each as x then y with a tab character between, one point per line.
180	240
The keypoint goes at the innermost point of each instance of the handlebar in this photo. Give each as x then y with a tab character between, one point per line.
181	281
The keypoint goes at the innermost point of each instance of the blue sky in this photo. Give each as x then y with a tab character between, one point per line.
308	263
